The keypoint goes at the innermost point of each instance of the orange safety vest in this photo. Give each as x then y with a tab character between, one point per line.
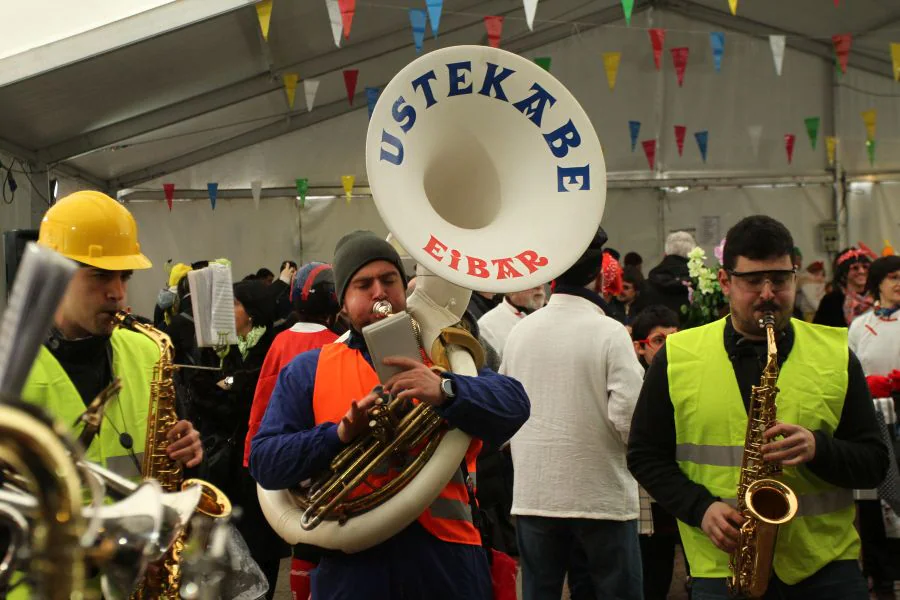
344	375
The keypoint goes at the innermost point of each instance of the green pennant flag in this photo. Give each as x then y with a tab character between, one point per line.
543	62
628	6
870	148
302	188
812	128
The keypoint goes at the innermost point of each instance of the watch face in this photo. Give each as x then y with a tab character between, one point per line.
447	387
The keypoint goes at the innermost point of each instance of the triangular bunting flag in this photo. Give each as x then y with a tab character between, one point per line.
776	42
717	41
842	49
348	9
530	10
302	188
869	118
657	39
371	98
755	132
812	129
337	24
680	131
347	182
290	87
310	87
732	4
836	3
650	152
870	148
789	139
256	190
350	77
213	190
611	62
543	62
895	57
702	138
830	148
169	190
418	18
434	14
679	59
264	15
634	128
494	27
628	7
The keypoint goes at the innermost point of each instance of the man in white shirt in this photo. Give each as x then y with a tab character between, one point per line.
575	501
496	324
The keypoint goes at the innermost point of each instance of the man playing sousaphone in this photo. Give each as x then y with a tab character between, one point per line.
319	406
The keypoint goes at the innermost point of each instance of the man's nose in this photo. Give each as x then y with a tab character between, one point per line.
768	290
379	290
116	288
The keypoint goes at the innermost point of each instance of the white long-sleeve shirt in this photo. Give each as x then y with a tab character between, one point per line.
876	342
496	324
581	374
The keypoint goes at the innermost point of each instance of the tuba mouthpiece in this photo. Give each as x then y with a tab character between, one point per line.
383	308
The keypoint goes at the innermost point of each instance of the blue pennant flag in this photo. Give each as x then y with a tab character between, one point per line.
635	128
417	19
372	95
717	40
702	138
213	189
434	14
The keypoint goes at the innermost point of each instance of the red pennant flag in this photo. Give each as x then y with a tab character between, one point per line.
658	39
680	130
842	49
169	189
679	59
350	77
836	3
789	139
650	152
348	8
494	26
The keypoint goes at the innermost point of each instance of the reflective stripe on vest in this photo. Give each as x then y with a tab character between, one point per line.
343	375
134	357
711	423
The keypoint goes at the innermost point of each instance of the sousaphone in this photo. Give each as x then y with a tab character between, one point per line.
489	173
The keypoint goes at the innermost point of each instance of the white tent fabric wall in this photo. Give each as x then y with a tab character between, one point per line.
859	92
874	214
15	213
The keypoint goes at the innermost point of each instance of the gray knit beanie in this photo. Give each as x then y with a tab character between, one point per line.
357	249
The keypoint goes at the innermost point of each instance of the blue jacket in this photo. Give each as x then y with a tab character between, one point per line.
289	448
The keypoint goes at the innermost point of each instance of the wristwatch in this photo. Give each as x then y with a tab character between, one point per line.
447	387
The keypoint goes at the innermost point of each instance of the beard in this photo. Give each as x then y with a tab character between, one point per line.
749	323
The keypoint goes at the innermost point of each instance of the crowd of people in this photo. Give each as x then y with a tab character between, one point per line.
604	434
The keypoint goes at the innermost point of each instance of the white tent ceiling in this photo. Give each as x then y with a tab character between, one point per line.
197	80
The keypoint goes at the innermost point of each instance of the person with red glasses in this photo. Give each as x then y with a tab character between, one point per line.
650	329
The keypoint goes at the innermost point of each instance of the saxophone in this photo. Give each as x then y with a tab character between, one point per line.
764	501
166	581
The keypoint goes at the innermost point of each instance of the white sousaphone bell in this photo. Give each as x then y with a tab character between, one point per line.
489	173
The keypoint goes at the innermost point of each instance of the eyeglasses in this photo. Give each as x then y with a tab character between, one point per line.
655	341
755	281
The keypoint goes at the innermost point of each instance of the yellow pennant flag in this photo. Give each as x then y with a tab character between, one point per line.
611	62
347	181
895	56
830	147
869	118
290	86
264	14
733	5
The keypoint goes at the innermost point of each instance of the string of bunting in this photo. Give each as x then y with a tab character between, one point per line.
301	184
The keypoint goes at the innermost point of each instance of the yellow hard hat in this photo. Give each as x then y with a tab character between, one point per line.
92	228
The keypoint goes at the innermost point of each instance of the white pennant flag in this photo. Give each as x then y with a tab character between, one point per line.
530	9
755	132
777	44
334	15
256	188
310	87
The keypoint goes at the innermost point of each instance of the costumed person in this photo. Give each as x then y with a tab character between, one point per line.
875	337
496	323
315	309
609	285
320	404
576	504
167	299
847	299
85	350
689	431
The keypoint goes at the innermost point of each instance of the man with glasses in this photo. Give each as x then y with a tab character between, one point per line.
650	330
689	428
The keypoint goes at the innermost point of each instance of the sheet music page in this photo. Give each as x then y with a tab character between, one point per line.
200	283
222	330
